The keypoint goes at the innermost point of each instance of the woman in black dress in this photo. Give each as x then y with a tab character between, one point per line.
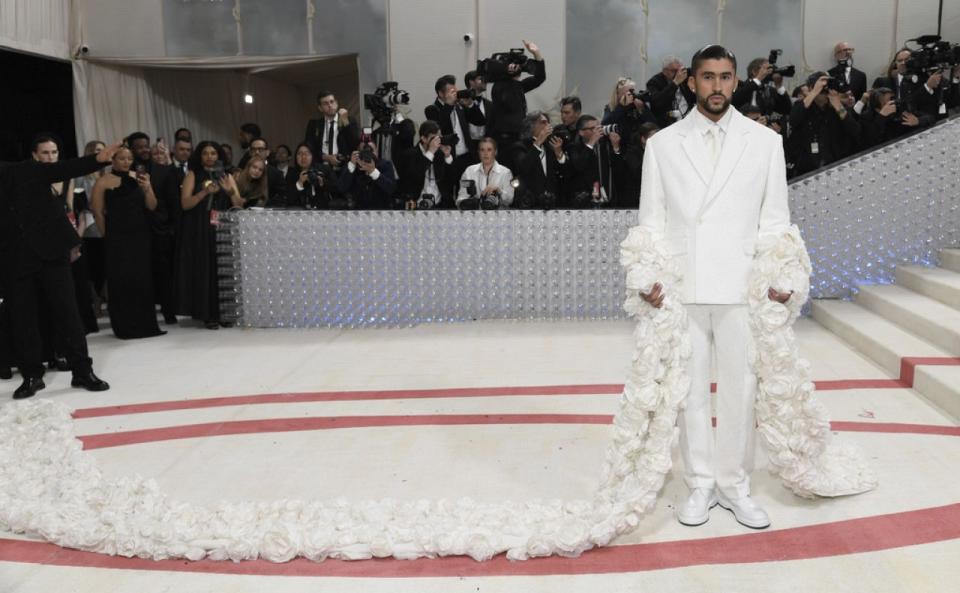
120	203
206	191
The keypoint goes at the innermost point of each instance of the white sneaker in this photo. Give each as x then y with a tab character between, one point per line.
696	509
746	510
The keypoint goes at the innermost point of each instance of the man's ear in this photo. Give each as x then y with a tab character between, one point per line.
692	84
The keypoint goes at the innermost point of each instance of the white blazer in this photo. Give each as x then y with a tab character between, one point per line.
712	223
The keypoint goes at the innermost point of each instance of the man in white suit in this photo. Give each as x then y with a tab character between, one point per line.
712	184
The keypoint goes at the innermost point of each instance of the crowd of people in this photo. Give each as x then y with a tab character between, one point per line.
146	225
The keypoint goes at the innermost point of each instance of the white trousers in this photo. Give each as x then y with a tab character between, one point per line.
721	457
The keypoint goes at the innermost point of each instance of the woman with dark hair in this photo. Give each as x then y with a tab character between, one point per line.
207	190
120	203
306	189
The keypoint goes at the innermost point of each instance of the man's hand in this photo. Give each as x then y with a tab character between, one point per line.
865	99
344	116
910	119
446	150
557	145
355	158
533	49
433	144
775	126
331	159
303	179
614	141
764	72
545	132
368	167
680	76
144	180
106	155
777	80
889	109
834	98
656	296
934	81
779	297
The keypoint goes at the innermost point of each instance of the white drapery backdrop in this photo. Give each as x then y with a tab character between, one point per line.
41	27
116	96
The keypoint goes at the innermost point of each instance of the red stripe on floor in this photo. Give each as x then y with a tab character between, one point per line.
853	536
214	429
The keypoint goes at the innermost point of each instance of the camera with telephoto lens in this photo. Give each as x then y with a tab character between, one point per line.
384	101
610	129
785	71
496	66
932	55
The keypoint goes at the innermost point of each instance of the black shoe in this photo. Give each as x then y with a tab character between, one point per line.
58	363
29	388
170	319
90	382
6	373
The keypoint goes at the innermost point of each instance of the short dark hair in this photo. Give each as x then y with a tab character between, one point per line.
225	145
711	52
443	81
261	139
584	120
876	94
813	78
429	127
284	146
750	110
754	66
470	77
176	134
252	129
129	140
43	138
572	100
488	140
322	94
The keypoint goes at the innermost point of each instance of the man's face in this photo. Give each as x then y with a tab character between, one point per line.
425	140
713	84
590	131
181	151
901	60
448	95
46	152
282	155
670	70
843	51
542	123
568	115
258	148
141	149
328	105
488	153
479	84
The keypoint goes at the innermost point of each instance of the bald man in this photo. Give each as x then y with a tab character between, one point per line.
857	79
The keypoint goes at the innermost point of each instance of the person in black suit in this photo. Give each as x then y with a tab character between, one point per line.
762	91
164	221
596	166
35	244
276	184
844	70
368	181
570	111
540	161
906	90
423	169
335	134
823	130
475	82
879	120
455	117
509	97
633	165
248	132
670	96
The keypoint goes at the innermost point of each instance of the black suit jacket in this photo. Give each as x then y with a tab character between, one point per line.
858	79
534	183
413	167
662	92
768	99
348	137
33	226
589	165
509	101
367	193
440	113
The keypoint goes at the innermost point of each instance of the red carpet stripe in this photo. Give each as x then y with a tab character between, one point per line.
853	536
328	396
236	427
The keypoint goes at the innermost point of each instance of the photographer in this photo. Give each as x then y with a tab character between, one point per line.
844	70
939	94
367	181
476	83
764	90
879	120
627	108
455	111
423	169
509	94
752	112
394	133
248	132
906	89
823	130
540	161
633	165
334	134
311	183
596	166
670	97
570	111
487	184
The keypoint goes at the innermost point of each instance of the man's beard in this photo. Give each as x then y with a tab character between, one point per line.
704	102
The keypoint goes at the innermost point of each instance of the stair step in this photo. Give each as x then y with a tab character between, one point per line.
928	319
940	385
950	259
937	283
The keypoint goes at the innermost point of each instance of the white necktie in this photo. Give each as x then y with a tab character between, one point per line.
713	149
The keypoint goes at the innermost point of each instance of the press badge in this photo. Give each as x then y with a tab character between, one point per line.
814	148
943	109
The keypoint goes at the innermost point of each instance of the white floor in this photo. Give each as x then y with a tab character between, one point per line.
487	462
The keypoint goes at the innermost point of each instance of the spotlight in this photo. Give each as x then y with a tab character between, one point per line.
248	99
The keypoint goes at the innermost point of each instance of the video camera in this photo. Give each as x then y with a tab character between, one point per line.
932	55
384	101
495	67
785	71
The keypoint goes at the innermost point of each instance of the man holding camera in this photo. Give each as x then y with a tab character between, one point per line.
368	181
455	111
423	170
477	85
670	97
335	134
822	129
596	165
844	70
509	96
764	90
540	161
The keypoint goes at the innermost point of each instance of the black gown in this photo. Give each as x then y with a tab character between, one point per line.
79	268
129	275
198	293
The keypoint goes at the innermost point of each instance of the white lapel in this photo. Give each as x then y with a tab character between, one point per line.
733	147
694	147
